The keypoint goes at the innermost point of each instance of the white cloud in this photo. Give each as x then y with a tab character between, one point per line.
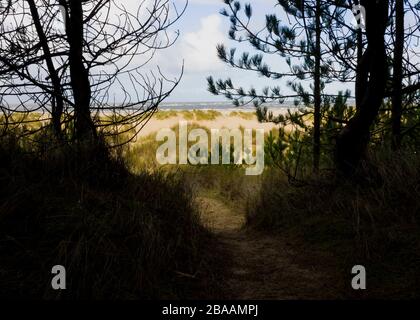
199	48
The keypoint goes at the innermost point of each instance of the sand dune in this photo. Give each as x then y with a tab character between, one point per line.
225	120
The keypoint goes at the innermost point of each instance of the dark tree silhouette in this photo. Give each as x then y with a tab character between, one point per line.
299	42
82	64
354	138
402	53
326	47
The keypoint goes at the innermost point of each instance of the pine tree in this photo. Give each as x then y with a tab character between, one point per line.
300	44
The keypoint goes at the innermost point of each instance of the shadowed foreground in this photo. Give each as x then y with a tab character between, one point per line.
263	266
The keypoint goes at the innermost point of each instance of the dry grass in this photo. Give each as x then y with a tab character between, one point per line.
119	235
191	115
244	115
374	223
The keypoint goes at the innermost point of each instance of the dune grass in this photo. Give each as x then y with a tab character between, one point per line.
124	222
119	235
191	115
243	115
163	115
374	223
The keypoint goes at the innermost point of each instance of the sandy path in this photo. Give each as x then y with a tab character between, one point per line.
262	266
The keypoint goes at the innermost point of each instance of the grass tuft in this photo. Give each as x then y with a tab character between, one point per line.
119	235
375	224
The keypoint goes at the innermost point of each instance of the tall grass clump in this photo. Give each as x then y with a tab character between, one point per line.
119	235
374	223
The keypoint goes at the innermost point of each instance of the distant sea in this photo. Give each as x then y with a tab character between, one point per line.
224	105
217	106
227	106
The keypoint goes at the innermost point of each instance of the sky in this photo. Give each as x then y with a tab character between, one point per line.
201	28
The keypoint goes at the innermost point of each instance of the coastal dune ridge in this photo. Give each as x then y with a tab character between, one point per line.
208	118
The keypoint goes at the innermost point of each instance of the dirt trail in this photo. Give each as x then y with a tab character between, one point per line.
262	266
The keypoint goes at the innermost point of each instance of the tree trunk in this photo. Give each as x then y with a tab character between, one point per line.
353	140
361	72
398	74
79	76
317	90
57	100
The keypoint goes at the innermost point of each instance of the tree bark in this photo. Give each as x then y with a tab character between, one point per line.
79	75
353	140
397	74
361	72
57	101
